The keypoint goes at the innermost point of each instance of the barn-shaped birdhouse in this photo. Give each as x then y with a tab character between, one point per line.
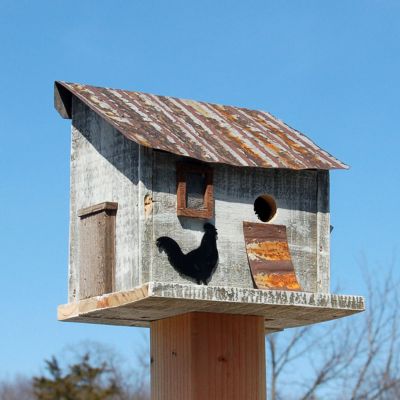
180	206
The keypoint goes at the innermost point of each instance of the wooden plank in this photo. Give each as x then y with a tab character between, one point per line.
156	300
105	206
97	252
144	216
183	170
107	301
199	356
323	233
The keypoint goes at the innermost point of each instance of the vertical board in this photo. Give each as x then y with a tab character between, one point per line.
195	191
145	213
200	356
323	236
97	251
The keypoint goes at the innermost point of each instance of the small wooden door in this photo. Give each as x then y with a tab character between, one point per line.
97	250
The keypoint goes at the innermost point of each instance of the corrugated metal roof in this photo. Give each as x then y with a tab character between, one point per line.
208	132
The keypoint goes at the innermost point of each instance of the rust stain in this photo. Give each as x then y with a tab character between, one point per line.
208	132
269	256
148	205
268	251
102	303
284	281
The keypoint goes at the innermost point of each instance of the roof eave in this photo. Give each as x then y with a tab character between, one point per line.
62	100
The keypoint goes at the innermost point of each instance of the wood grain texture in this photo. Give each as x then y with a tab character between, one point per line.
105	206
97	251
182	171
107	166
145	215
156	300
323	233
235	190
104	167
199	356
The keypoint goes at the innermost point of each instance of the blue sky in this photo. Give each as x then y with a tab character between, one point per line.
330	69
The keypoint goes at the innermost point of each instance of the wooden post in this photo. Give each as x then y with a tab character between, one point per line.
208	356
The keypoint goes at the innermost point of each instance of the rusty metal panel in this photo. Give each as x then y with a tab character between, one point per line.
208	132
269	256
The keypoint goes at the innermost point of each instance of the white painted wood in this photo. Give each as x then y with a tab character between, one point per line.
145	217
235	190
157	300
105	166
323	233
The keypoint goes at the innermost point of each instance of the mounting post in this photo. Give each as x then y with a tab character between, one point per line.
199	356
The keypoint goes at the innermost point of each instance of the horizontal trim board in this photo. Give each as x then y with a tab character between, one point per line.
158	300
105	206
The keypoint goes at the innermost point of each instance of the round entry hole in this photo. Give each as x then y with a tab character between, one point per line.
265	207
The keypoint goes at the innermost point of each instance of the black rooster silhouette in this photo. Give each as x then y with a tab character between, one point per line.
198	264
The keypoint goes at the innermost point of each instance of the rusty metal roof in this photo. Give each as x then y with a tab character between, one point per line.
208	132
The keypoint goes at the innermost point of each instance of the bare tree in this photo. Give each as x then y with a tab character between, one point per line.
132	378
357	358
87	370
18	388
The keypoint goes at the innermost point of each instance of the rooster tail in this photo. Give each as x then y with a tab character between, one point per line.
173	251
168	245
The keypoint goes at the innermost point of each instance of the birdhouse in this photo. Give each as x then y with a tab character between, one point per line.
181	206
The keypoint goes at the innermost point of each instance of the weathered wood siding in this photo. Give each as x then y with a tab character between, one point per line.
302	201
323	233
104	167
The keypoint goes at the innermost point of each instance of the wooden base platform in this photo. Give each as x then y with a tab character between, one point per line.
156	300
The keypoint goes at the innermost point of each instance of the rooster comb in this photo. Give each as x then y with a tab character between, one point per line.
210	228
